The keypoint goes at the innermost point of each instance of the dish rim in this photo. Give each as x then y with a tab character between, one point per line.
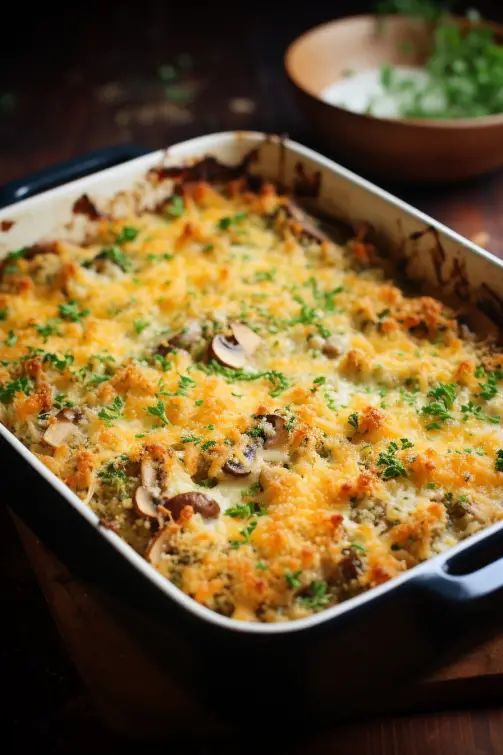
195	149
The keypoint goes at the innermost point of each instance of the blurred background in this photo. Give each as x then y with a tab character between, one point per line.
79	76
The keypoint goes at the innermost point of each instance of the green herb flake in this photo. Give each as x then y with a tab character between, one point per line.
71	311
293	579
393	467
11	339
353	420
128	233
19	385
159	411
499	460
176	206
140	325
316	596
113	411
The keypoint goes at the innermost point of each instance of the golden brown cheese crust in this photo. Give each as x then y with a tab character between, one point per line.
256	409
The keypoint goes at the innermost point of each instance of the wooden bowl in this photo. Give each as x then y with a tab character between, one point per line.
394	149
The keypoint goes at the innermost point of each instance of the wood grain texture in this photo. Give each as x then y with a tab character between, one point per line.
88	77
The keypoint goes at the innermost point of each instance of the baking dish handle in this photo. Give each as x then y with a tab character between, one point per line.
472	577
70	170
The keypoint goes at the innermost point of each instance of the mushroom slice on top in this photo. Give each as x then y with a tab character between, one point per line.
237	468
156	546
58	433
144	502
199	502
228	352
279	435
246	337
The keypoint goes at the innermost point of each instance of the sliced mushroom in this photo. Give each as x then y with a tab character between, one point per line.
309	227
156	546
279	435
199	502
228	352
245	337
237	468
58	433
144	502
148	473
69	414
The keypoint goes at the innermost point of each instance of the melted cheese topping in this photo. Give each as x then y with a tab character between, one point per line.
358	436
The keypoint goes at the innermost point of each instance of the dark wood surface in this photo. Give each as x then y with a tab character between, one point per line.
79	78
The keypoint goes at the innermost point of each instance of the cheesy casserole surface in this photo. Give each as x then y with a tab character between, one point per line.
256	409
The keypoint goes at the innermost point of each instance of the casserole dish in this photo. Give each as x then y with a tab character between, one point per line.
328	662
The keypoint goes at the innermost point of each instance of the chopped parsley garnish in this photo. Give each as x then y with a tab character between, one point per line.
264	275
140	325
499	460
117	256
162	362
49	329
393	467
353	420
489	389
208	444
113	411
227	222
11	339
71	311
359	547
166	257
61	402
96	379
279	381
293	579
3	314
316	596
176	206
159	411
21	384
59	363
128	233
443	398
241	511
245	533
475	410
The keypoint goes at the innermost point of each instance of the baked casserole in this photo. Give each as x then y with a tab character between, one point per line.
258	410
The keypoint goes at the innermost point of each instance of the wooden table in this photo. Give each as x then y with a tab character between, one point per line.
89	77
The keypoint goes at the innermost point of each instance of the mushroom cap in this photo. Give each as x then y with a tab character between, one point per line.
199	502
280	435
144	502
228	352
246	337
156	546
236	468
58	433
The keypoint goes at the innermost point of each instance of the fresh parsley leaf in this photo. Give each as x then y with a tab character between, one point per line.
316	596
293	579
353	420
117	256
59	363
128	233
112	412
227	222
393	467
499	460
19	385
176	206
11	339
140	325
49	329
159	411
71	311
